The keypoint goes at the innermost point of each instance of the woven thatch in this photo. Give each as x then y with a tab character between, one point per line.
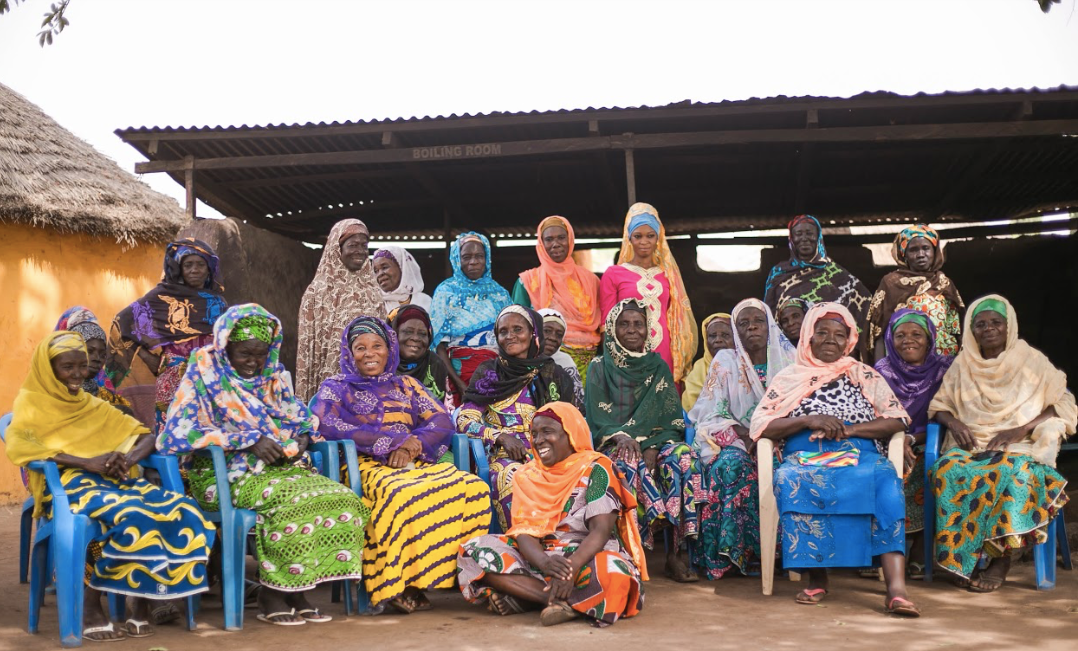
50	178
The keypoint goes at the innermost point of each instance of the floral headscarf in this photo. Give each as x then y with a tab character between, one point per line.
463	308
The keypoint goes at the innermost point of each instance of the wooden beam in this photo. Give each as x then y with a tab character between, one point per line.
892	133
777	106
804	174
356	175
630	175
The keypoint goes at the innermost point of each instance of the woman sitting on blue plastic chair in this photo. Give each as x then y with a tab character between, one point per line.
914	370
734	385
422	509
234	395
635	417
839	498
1007	409
152	543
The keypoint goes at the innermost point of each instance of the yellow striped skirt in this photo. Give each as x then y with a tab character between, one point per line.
419	519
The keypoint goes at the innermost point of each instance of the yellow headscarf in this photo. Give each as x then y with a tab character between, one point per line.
679	319
48	420
694	381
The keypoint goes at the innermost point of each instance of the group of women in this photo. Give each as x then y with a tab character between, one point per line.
578	389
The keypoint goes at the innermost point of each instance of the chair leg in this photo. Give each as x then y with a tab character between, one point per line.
69	584
117	607
348	600
1044	559
233	546
192	608
335	592
1061	540
38	571
929	532
26	526
363	601
769	529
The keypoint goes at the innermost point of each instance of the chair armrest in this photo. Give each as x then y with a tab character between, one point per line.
460	452
933	440
168	467
896	451
220	473
351	461
765	469
51	471
329	462
479	455
690	429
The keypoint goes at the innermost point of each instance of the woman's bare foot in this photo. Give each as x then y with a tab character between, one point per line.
304	609
678	570
993	577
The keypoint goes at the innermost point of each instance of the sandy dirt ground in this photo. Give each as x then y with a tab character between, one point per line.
728	614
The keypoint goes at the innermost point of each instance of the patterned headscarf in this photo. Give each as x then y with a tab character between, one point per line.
332	300
903	239
66	342
466	308
81	320
819	260
914	385
253	326
681	324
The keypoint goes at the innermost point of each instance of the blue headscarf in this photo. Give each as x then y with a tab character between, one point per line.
465	308
818	261
644	219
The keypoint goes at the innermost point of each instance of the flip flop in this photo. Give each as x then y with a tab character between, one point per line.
165	613
905	607
917	570
268	618
503	604
313	616
107	628
141	628
422	603
810	597
557	613
402	605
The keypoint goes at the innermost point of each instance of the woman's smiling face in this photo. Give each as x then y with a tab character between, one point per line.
550	440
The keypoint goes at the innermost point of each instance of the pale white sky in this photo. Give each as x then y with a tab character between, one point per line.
196	62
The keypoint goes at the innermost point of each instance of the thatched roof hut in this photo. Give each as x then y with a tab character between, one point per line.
49	178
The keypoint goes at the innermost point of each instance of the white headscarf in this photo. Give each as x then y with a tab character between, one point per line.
410	288
732	389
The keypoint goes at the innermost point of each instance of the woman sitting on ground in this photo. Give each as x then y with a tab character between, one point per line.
235	395
914	370
840	500
730	518
503	396
422	509
635	417
145	532
412	325
718	335
1006	409
574	548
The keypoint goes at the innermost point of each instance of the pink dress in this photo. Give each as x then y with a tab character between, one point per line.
627	280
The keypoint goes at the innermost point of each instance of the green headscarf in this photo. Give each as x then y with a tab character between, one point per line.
989	304
253	326
913	317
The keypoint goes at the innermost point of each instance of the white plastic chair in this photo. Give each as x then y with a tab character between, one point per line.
769	510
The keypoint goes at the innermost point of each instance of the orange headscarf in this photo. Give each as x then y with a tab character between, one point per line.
807	374
540	492
679	319
567	287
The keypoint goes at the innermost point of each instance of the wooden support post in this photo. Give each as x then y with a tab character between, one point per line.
630	175
447	233
189	185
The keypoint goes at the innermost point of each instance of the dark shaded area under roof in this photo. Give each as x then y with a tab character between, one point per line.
734	165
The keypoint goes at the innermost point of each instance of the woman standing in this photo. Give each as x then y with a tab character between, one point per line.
812	276
718	335
343	288
464	309
563	285
730	517
914	370
152	338
235	395
1006	409
839	498
918	284
399	278
422	510
635	417
503	396
646	270
790	315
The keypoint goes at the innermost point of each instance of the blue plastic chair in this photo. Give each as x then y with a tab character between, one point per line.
462	444
59	547
26	520
1044	554
326	456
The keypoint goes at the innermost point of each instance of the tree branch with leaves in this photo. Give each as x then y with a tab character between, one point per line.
54	22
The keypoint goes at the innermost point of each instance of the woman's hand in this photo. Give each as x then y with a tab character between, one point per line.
908	454
627	449
558	567
962	434
514	448
651	459
303	441
827	427
559	590
406	453
1008	436
112	464
267	449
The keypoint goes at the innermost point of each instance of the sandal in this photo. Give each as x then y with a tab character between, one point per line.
905	607
138	628
556	613
810	596
269	618
164	613
916	570
87	633
403	605
422	603
313	616
503	604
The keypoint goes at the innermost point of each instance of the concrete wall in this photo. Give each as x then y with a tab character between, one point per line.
42	273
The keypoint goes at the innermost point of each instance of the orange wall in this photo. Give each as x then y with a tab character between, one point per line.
42	273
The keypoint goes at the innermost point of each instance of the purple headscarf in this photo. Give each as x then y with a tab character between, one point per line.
913	385
379	413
